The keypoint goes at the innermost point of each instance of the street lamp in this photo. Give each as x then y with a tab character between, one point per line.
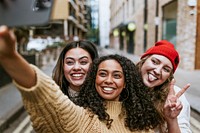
116	32
145	26
131	26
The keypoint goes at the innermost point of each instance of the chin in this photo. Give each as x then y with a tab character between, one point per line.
147	84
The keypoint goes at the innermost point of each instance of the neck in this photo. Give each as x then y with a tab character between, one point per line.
72	93
75	88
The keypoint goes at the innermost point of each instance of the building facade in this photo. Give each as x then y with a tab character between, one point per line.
70	19
137	24
104	23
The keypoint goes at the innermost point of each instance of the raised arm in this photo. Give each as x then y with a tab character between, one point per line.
173	107
13	63
184	116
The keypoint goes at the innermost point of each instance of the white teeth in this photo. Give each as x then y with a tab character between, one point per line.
108	89
152	77
76	75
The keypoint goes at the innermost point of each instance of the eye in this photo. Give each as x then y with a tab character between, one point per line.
168	70
155	62
102	74
117	75
69	62
84	62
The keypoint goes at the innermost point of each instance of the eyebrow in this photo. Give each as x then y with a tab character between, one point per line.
79	58
102	69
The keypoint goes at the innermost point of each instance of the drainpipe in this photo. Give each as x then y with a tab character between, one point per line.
197	52
156	28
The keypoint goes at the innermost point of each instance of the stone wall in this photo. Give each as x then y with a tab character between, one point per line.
186	35
185	26
186	30
139	32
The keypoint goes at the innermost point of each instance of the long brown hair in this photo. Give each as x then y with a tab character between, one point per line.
58	71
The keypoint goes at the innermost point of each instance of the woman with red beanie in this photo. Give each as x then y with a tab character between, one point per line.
157	66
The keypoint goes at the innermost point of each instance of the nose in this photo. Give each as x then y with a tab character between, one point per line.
158	70
109	80
76	66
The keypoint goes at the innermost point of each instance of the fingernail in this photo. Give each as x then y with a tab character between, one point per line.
3	28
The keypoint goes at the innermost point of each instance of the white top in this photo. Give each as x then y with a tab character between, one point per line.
184	116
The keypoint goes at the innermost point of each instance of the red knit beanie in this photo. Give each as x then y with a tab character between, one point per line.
166	49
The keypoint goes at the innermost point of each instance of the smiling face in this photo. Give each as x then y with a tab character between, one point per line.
156	70
110	80
76	65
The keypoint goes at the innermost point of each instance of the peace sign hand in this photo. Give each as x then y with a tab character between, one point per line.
173	106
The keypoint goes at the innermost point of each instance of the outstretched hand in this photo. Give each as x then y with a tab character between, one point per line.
173	106
13	63
7	42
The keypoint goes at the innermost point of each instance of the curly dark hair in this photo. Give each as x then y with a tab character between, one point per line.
58	71
140	113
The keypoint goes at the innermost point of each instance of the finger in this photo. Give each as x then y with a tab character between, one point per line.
3	29
12	36
171	87
179	107
182	90
178	103
7	35
170	104
4	33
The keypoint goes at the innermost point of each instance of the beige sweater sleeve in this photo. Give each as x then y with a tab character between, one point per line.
50	110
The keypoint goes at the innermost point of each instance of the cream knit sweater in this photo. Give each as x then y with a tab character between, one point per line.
52	112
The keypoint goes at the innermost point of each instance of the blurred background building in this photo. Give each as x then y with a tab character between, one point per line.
104	22
128	25
137	24
131	26
69	19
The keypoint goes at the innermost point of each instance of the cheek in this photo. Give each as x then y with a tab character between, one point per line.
98	80
165	76
86	67
143	71
66	70
148	64
120	83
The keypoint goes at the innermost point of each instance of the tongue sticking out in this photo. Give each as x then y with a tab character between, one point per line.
152	78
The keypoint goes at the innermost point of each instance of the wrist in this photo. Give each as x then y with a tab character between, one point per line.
172	125
10	56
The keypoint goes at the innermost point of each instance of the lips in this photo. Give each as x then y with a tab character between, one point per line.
108	90
151	77
77	75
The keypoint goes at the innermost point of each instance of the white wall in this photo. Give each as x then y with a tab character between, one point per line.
104	22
